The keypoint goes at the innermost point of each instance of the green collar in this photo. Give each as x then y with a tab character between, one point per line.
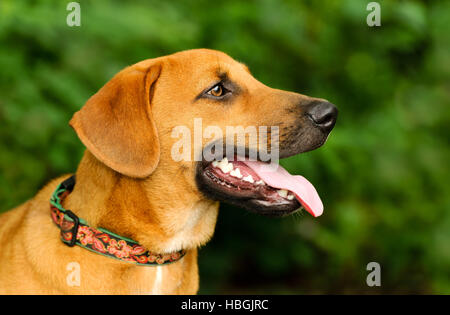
76	231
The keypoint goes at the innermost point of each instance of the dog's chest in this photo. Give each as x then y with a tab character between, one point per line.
165	279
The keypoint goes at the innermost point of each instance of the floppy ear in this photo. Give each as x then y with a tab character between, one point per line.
116	124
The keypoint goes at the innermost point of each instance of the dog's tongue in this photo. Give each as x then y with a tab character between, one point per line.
276	176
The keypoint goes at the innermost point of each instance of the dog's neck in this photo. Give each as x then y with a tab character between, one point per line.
150	211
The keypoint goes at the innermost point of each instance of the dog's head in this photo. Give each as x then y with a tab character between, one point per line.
158	117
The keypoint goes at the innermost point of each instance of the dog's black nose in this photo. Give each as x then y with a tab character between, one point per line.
323	114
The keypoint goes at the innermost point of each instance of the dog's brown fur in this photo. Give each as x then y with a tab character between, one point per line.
128	183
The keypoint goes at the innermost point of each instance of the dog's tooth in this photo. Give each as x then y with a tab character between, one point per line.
282	192
260	182
290	197
222	162
236	173
249	179
225	166
215	163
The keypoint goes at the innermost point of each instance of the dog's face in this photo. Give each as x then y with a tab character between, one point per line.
143	105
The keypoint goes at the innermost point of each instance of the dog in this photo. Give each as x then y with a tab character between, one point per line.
132	202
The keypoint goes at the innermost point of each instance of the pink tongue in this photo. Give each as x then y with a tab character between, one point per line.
276	176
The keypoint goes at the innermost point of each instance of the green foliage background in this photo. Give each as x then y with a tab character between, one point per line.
383	174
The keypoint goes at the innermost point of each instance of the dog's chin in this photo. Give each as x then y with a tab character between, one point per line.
256	198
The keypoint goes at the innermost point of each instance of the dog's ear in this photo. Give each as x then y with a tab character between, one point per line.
116	124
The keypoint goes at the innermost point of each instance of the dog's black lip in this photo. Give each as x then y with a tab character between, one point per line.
231	156
275	213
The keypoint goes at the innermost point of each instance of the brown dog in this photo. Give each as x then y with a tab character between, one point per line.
129	183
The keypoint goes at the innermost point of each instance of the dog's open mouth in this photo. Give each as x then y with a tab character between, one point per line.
257	186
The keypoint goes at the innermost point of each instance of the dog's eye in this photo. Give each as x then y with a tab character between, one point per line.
217	90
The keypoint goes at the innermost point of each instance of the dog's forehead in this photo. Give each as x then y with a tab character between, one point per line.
198	56
205	62
203	67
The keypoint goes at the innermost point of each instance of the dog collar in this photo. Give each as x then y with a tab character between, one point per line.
76	231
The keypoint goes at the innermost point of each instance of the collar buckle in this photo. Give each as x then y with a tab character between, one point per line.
69	228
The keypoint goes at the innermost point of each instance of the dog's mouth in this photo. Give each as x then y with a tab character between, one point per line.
260	187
